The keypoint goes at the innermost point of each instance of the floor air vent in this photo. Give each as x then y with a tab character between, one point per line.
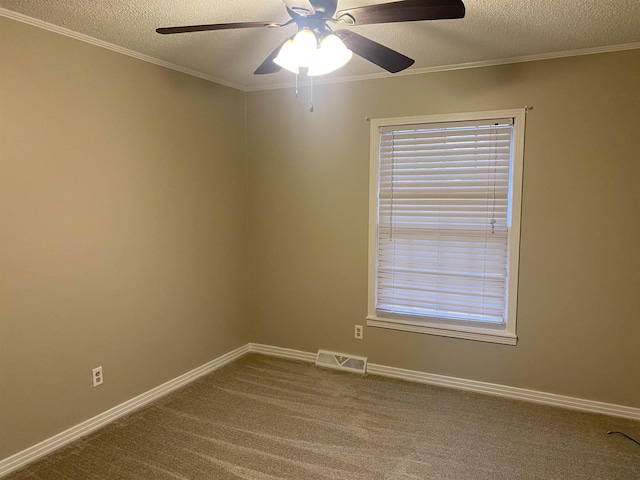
341	361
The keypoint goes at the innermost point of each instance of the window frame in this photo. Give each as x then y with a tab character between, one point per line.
504	333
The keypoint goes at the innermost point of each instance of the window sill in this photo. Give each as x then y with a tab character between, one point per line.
442	330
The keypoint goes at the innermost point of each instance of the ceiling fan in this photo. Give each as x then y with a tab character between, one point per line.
330	48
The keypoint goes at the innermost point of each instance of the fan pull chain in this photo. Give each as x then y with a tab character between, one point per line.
311	109
296	85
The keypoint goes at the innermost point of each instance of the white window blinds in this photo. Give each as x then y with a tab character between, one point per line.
443	210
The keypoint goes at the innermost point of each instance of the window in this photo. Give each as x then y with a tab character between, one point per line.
444	225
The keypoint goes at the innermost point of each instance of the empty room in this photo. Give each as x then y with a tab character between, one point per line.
320	239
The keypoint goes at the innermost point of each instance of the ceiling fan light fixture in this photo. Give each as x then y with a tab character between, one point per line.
331	55
303	51
312	18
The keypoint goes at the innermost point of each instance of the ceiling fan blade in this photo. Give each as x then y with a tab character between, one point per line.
216	26
404	11
382	56
269	66
301	7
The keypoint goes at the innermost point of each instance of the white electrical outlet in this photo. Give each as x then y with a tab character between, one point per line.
359	332
97	377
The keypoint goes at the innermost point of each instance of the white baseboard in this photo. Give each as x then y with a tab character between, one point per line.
507	391
282	352
45	447
471	385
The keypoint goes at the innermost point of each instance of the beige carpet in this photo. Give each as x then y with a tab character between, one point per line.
268	418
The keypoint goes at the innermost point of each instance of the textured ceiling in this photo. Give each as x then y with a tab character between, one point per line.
493	31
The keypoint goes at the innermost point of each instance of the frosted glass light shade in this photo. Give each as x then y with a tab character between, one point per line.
332	55
305	44
287	57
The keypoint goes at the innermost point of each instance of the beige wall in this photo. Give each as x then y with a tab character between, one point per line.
123	219
578	315
122	229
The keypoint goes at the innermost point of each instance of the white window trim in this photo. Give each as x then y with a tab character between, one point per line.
505	335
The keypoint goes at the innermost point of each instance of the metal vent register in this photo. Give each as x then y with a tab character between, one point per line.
340	361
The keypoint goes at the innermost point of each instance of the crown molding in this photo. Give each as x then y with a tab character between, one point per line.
327	81
110	46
